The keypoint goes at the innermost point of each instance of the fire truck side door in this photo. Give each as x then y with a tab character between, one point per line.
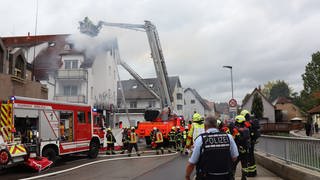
49	125
83	130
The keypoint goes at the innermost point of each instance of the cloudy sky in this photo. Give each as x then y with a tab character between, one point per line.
262	40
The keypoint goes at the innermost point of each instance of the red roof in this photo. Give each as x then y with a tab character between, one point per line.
19	41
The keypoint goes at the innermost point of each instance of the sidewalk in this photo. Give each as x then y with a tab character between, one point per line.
302	133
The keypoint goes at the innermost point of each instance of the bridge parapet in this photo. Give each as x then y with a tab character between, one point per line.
303	152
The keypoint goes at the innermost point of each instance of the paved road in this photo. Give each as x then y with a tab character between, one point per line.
175	169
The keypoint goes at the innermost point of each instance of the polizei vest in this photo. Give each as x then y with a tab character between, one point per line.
215	158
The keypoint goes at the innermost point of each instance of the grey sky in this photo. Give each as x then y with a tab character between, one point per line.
263	40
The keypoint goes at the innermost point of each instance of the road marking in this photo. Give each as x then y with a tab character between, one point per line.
95	162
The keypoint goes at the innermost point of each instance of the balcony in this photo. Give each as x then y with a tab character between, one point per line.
72	99
72	74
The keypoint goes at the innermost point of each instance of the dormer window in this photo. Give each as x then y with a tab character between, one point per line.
71	64
135	86
51	44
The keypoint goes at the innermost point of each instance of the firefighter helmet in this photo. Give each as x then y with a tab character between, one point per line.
196	117
240	119
218	122
178	127
109	129
132	128
244	112
154	128
173	128
186	127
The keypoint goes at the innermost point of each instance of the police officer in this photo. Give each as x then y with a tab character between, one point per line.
241	135
213	154
254	128
133	142
110	142
197	127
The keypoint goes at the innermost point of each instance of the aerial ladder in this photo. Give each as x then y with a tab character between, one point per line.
87	27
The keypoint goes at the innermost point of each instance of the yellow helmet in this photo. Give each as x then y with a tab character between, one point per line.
244	112
173	128
109	129
240	119
196	117
218	122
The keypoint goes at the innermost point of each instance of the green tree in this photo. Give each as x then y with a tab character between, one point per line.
311	84
257	106
267	88
311	77
279	89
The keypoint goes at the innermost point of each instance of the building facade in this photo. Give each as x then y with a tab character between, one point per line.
194	102
136	99
268	108
16	72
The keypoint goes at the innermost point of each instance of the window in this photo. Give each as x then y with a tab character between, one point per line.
135	86
150	85
152	104
179	96
133	104
89	117
179	107
70	90
81	117
71	64
193	101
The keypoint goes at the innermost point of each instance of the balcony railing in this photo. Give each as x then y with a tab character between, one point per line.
72	99
71	74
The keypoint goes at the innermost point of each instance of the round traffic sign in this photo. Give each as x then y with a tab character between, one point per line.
232	103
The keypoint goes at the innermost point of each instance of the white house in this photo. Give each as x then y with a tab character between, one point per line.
138	99
194	102
268	108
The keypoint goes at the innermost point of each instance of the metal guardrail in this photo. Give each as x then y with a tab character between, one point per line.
300	151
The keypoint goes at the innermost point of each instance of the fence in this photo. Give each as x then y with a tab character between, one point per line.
301	151
280	127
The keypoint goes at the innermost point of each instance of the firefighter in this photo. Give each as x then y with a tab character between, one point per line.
62	131
172	139
110	142
214	153
197	127
125	140
133	140
178	139
157	139
184	139
241	135
254	128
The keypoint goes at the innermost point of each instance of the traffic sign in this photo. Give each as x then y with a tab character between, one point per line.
232	103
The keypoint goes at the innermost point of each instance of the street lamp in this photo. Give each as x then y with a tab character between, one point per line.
230	67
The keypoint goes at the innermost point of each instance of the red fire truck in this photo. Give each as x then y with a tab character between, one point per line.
47	128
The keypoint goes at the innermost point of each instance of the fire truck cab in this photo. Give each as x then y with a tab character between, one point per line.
50	128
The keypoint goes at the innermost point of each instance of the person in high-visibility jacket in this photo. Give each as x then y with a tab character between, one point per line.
172	139
157	140
254	127
110	142
196	129
133	140
184	139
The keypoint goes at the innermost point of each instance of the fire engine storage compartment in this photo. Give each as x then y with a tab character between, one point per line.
26	123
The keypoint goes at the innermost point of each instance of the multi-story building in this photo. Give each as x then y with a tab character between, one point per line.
194	102
74	75
16	71
138	99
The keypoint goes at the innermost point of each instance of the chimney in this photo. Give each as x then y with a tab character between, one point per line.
28	35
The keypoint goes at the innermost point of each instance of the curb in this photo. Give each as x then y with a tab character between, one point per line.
285	170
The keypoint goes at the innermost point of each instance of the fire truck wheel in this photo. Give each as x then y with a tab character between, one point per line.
4	157
50	154
94	150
